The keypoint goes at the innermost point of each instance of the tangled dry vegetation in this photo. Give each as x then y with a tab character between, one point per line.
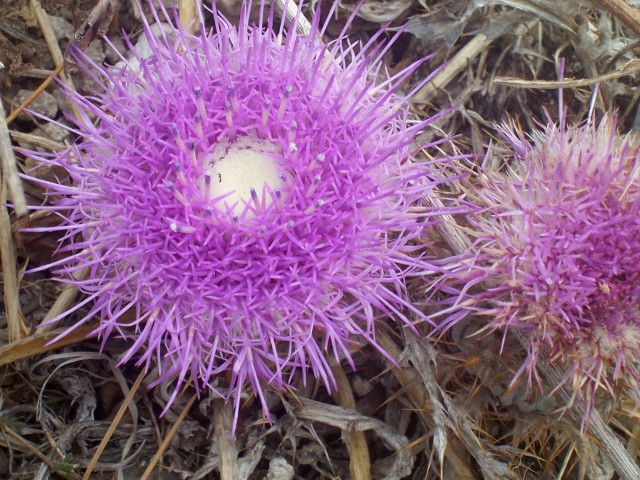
68	411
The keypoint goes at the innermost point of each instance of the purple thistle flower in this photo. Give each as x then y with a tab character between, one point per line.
556	255
249	196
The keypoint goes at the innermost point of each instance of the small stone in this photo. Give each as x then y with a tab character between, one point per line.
279	469
143	48
62	29
112	56
361	386
63	102
95	51
52	132
45	104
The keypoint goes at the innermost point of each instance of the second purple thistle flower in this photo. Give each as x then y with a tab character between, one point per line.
556	256
250	198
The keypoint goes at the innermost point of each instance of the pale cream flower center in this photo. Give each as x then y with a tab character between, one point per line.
247	173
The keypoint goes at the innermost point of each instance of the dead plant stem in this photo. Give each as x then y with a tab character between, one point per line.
624	12
13	115
359	459
9	169
15	324
52	43
223	418
165	442
114	424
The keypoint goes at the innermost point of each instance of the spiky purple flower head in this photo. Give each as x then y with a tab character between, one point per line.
249	195
556	254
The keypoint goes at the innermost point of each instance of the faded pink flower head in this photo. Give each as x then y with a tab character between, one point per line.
556	254
250	196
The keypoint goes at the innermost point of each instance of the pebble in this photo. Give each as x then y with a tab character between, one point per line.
62	29
112	56
143	48
63	102
83	82
52	132
45	104
95	51
279	469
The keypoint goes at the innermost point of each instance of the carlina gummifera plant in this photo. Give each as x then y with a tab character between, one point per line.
556	255
249	196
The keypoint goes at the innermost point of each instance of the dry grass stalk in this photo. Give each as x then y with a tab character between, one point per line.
633	444
629	69
442	414
289	10
458	63
126	403
449	229
624	12
187	13
52	43
9	171
446	413
36	140
359	460
27	445
165	442
13	115
407	377
39	73
346	419
63	302
456	455
228	450
40	343
15	323
461	60
47	32
9	178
